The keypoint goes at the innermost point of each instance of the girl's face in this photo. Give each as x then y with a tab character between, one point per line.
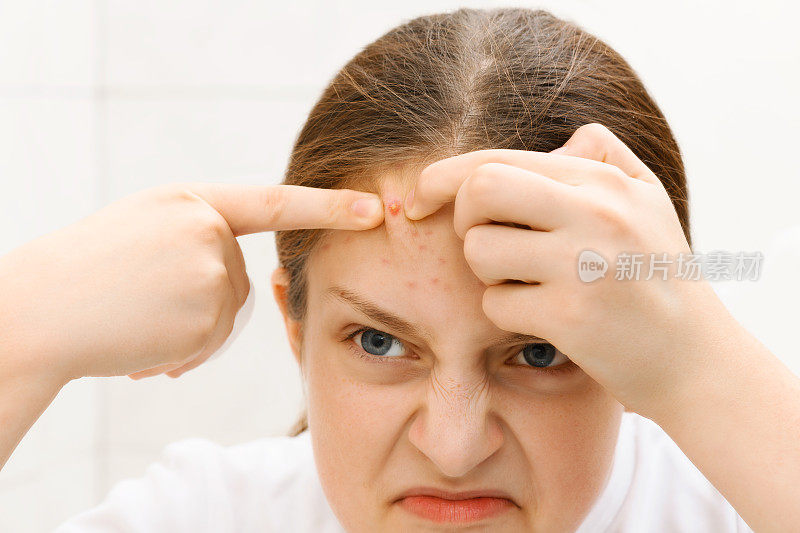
429	394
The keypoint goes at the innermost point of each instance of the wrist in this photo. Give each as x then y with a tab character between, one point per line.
721	364
24	355
707	356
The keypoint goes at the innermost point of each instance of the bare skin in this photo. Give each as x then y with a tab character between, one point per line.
667	349
453	407
149	284
166	262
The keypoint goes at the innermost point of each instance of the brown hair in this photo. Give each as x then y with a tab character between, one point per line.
446	84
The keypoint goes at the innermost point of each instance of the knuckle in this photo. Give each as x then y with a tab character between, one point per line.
211	227
490	304
207	323
428	183
427	174
592	136
216	280
178	191
483	180
204	329
212	317
616	177
594	129
336	204
611	218
273	202
472	245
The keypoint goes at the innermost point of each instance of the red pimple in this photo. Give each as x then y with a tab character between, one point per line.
411	284
384	261
394	205
434	280
423	247
429	232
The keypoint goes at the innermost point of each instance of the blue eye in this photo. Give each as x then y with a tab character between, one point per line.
369	343
542	354
376	343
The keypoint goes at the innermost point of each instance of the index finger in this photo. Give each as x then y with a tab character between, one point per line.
257	208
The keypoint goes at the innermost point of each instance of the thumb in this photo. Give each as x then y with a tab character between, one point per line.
597	142
258	208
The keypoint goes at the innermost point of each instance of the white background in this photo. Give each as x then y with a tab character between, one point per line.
100	98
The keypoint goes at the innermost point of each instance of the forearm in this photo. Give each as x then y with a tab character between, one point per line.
28	381
738	421
23	398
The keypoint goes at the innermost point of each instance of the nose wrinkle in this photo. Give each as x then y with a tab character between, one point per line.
460	405
457	394
456	437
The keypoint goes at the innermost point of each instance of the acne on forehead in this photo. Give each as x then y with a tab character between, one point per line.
393	204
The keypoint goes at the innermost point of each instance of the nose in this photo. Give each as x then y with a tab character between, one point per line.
456	429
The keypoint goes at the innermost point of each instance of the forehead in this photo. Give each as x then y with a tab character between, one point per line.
411	266
399	244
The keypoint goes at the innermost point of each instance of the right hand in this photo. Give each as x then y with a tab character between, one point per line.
152	282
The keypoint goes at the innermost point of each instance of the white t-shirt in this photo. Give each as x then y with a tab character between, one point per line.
271	484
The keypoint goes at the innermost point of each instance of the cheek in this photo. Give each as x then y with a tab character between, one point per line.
355	426
349	409
568	441
347	400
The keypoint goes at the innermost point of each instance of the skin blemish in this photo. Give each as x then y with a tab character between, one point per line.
429	232
423	247
394	204
434	280
384	260
411	284
442	261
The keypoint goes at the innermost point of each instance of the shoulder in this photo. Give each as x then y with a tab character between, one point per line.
199	485
263	462
667	491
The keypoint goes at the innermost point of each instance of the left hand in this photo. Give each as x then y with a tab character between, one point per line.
640	339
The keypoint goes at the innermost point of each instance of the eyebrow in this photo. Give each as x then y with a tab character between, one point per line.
404	327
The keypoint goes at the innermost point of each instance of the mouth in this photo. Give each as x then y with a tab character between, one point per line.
455	507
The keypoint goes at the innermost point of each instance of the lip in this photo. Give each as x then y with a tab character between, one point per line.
441	505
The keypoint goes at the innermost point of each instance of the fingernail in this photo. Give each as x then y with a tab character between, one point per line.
366	207
410	200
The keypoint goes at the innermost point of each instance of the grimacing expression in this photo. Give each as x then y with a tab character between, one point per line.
448	404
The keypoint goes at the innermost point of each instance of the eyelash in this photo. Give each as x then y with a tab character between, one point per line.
560	369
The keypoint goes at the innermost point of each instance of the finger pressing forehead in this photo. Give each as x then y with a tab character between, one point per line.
258	208
439	182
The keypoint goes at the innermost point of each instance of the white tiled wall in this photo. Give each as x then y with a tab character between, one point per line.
105	97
